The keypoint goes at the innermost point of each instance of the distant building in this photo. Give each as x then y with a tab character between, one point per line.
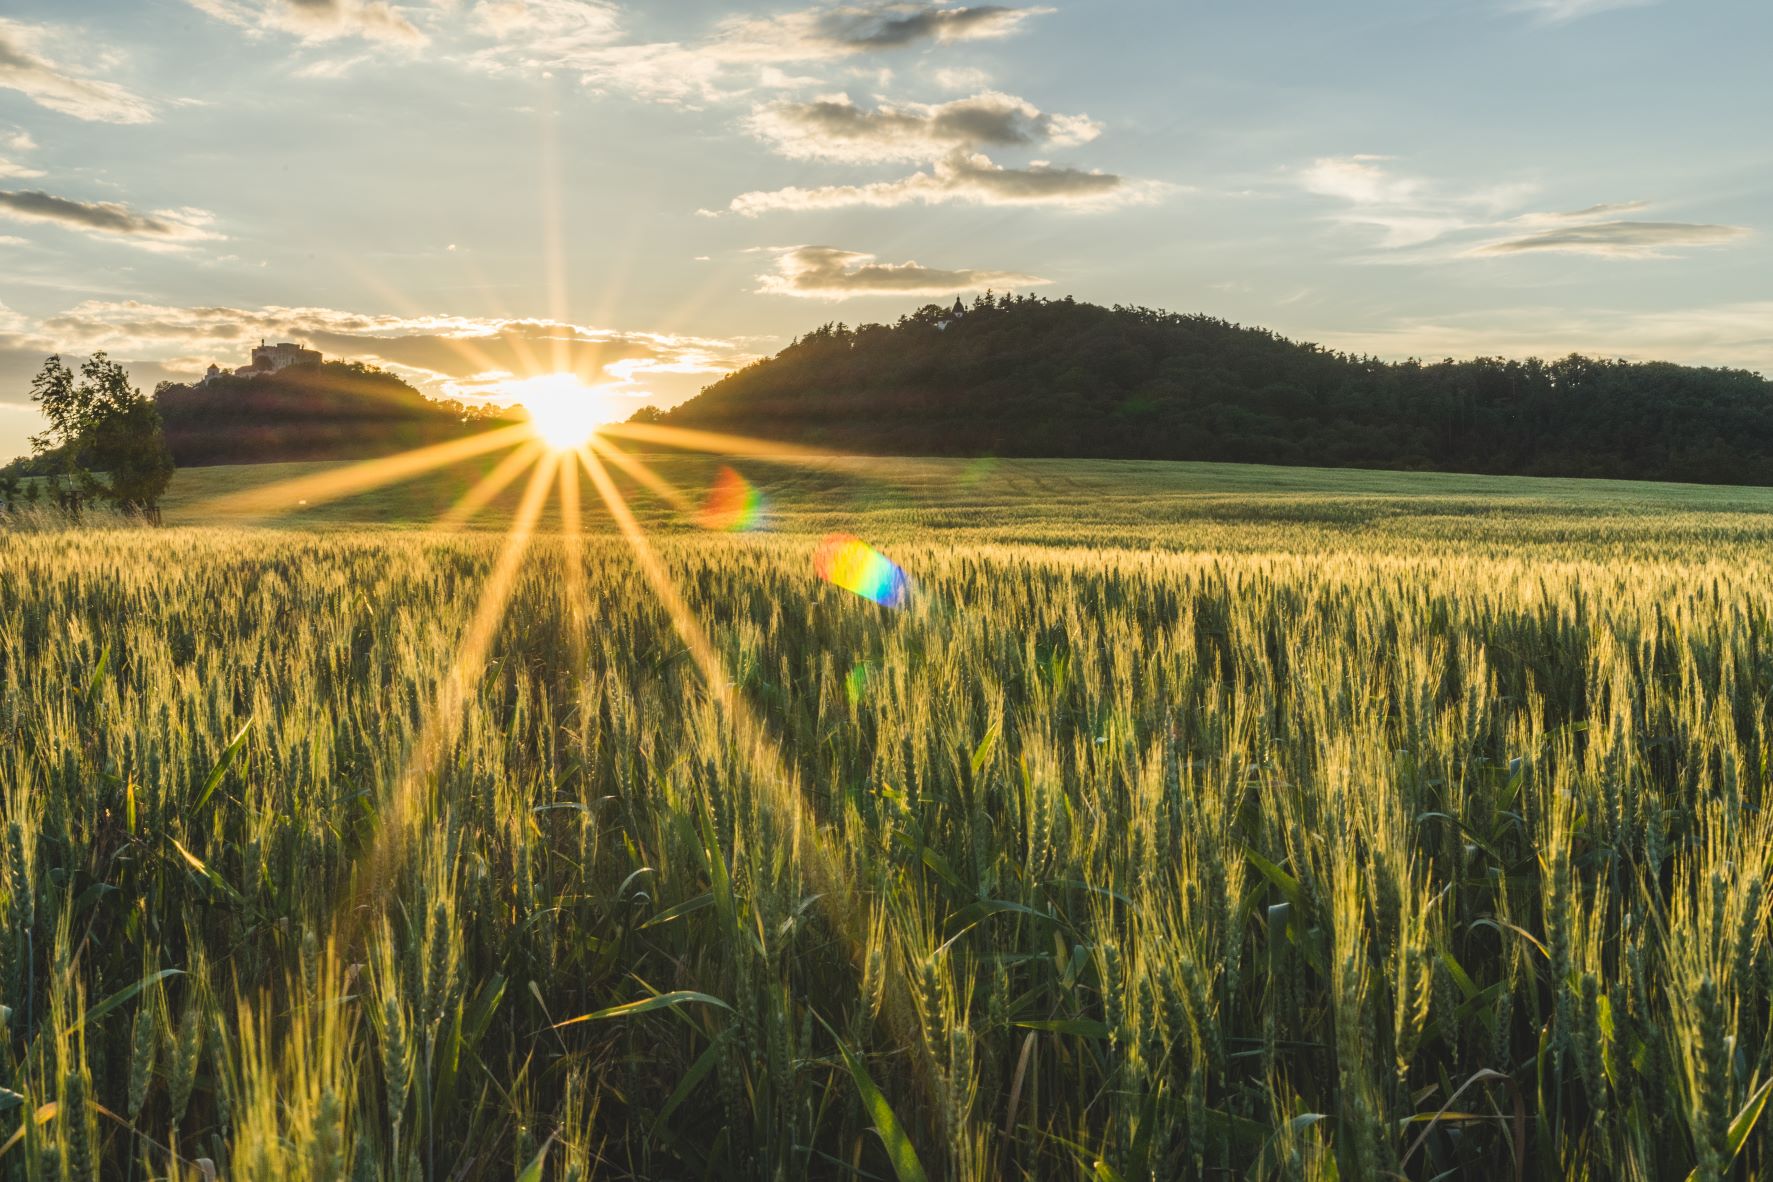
960	310
269	359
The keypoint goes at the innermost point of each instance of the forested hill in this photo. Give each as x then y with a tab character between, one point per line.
332	411
1032	377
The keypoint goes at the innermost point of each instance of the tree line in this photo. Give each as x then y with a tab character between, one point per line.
1025	376
336	410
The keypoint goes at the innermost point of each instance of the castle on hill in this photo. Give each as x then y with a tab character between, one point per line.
267	359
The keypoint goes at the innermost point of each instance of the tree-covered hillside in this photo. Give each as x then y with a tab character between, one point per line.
1033	377
332	411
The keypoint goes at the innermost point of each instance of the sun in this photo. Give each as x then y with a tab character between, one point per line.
563	411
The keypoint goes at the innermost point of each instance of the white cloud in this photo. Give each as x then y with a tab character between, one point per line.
966	178
825	272
1360	180
739	54
1408	211
1560	11
961	78
835	128
319	20
29	65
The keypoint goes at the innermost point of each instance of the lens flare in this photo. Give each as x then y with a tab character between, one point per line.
734	504
849	562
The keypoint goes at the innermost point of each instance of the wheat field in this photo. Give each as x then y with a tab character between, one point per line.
1189	822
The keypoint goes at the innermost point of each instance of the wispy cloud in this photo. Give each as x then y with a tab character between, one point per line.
828	273
163	228
738	55
319	20
1560	11
965	178
1623	239
1414	212
29	64
835	128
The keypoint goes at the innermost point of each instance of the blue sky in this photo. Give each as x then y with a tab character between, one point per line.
471	192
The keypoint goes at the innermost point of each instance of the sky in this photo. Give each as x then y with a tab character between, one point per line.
475	192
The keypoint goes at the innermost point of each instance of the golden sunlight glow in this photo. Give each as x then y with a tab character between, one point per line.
563	411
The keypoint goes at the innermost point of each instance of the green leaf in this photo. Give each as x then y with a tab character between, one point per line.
982	753
1082	1027
646	1005
221	765
687	907
695	1075
1283	882
533	1171
899	1149
98	674
122	995
1744	1123
9	1099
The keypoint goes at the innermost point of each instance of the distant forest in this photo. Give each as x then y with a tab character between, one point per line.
1026	376
332	411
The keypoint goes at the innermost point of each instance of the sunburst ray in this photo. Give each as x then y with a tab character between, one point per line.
490	486
333	485
410	794
643	475
808	846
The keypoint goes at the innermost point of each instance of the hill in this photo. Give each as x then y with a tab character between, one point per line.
1032	377
331	411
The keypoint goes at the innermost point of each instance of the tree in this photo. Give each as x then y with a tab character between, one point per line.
106	436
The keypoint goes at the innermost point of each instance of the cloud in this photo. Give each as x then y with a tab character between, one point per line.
9	168
454	356
827	273
1619	239
162	228
962	177
1459	223
319	20
1360	180
739	55
894	26
834	128
1561	11
26	65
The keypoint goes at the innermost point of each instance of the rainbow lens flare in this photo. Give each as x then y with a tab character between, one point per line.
854	565
734	504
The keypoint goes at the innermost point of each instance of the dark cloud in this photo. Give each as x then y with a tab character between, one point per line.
163	227
898	25
961	177
826	272
835	128
1618	239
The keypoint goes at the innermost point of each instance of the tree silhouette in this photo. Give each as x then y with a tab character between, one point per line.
105	437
